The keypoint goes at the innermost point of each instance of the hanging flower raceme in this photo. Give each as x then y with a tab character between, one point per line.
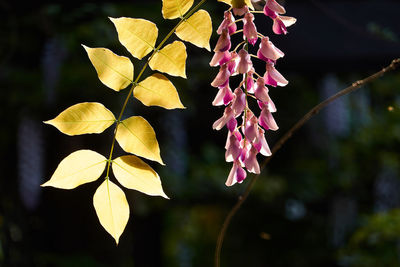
246	130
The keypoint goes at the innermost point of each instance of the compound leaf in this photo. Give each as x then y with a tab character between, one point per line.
80	167
133	173
137	35
112	208
172	9
157	90
197	29
114	71
135	135
83	118
171	59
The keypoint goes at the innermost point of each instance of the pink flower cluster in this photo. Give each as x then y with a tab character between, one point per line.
246	140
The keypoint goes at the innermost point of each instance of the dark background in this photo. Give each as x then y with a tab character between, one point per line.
329	197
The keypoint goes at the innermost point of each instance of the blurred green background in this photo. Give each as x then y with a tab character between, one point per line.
329	197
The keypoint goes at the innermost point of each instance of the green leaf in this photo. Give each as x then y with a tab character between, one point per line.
114	71
171	59
135	174
112	208
197	29
137	35
172	9
135	135
80	167
83	118
157	90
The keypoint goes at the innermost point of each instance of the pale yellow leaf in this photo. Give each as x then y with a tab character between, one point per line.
133	173
238	3
197	29
135	135
112	208
83	118
137	35
157	90
114	71
171	59
172	9
80	167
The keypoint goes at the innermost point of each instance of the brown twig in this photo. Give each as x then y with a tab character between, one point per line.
393	65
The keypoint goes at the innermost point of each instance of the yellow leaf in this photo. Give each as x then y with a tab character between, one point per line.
171	59
172	9
197	29
135	135
114	71
80	167
133	173
137	35
112	208
157	90
238	3
83	118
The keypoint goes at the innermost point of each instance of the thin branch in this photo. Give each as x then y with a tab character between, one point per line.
393	65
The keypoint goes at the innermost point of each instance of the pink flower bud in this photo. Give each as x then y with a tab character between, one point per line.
223	97
222	78
266	120
220	58
228	114
279	27
261	91
245	63
251	162
245	150
269	105
233	62
249	28
261	144
231	125
224	42
232	149
250	82
273	77
228	23
240	11
275	7
236	175
239	103
251	127
268	51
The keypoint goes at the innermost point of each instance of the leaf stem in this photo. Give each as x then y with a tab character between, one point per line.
242	198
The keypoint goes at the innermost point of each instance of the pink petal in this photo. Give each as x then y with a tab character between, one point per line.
220	58
250	82
251	127
279	27
224	42
240	11
228	23
236	175
228	114
251	162
233	149
245	63
268	50
273	77
239	103
261	91
222	78
269	12
267	121
231	125
273	5
249	28
223	97
261	144
288	21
